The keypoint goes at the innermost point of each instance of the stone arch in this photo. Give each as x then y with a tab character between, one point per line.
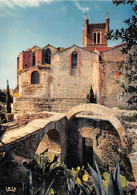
102	112
52	142
59	125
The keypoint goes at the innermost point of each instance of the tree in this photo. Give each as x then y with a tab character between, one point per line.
90	97
128	68
2	96
8	99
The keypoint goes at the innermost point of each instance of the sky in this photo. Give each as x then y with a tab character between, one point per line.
25	23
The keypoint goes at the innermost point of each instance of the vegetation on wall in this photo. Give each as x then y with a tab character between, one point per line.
115	152
8	99
128	67
2	96
8	154
91	97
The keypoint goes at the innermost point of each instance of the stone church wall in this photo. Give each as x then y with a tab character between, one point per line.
70	82
112	92
41	90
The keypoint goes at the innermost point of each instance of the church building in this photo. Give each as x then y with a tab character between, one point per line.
56	79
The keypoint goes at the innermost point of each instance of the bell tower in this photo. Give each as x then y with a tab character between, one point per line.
94	34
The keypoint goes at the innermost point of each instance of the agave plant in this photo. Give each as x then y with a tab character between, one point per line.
77	185
114	181
8	154
29	188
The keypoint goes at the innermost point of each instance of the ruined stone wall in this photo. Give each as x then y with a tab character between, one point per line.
52	49
26	105
98	131
69	83
24	119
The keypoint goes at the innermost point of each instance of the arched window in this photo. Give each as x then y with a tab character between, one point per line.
34	59
96	38
35	78
74	58
46	54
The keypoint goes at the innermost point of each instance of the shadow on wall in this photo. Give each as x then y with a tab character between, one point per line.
52	142
86	138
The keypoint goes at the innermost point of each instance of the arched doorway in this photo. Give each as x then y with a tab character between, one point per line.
85	146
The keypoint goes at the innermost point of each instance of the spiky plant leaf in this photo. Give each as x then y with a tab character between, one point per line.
8	155
46	193
112	186
119	180
41	190
84	190
29	184
23	187
100	180
2	131
96	180
70	187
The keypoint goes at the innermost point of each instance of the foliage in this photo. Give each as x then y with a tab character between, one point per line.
91	97
127	68
44	165
29	188
8	154
77	184
2	96
114	186
114	152
8	99
106	176
132	118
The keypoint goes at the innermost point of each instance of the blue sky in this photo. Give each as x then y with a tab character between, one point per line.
25	23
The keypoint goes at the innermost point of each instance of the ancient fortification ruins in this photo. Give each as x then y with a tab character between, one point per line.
53	84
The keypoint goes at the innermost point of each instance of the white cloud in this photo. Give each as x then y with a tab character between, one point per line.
23	3
83	9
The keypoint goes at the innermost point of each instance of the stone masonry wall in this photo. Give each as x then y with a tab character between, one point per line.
22	120
26	105
26	89
96	130
112	92
64	83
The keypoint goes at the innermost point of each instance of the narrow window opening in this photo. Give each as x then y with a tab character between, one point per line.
99	58
34	59
35	77
98	37
74	59
94	37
